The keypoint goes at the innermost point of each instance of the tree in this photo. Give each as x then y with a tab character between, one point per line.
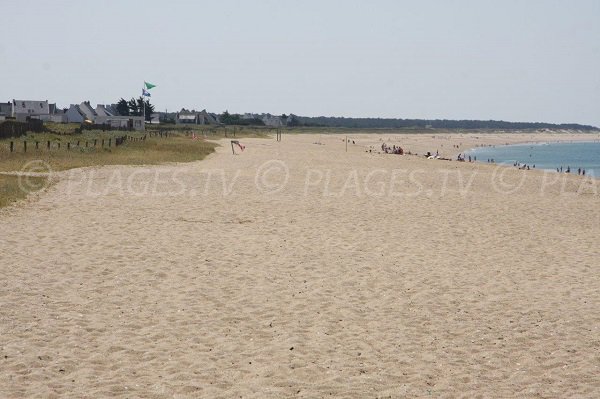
226	118
133	108
123	107
294	121
137	107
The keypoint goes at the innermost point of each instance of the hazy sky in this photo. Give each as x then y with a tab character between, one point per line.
511	60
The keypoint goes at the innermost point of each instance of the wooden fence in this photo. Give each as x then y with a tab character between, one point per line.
49	145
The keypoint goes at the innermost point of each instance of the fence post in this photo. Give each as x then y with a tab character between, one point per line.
24	146
58	145
12	146
37	145
86	144
48	145
95	140
68	146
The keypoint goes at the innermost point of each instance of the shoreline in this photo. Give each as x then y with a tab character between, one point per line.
473	152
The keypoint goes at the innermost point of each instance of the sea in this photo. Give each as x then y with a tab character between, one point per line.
574	155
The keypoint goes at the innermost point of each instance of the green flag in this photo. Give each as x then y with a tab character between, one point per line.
149	85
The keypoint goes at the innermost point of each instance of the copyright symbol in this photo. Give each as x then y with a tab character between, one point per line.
501	185
29	178
271	177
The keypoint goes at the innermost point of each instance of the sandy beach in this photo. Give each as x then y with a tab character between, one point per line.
300	269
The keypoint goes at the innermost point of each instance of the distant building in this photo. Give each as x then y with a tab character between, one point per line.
106	110
121	122
23	109
186	117
88	111
75	114
5	110
196	118
267	119
272	120
103	115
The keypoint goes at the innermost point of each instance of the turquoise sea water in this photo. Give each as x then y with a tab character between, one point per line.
546	156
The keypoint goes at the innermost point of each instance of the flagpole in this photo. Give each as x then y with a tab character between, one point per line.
144	105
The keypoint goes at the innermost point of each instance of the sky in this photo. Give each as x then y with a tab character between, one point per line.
531	61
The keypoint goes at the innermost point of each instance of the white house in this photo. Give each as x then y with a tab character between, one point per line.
88	111
5	110
75	114
196	118
23	109
121	122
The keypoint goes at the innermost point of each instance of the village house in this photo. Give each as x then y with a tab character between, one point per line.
23	109
88	111
74	114
196	118
121	122
108	115
5	110
268	119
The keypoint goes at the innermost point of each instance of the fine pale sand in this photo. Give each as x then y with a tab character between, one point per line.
301	270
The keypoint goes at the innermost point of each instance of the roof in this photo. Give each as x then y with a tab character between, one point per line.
77	109
87	109
105	110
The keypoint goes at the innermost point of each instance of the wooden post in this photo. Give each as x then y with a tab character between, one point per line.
77	143
37	145
86	144
109	142
48	144
95	140
58	145
69	146
25	146
12	146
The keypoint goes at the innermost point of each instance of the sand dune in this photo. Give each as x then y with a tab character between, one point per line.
301	270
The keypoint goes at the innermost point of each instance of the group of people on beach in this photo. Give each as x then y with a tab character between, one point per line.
464	157
523	166
392	149
580	171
